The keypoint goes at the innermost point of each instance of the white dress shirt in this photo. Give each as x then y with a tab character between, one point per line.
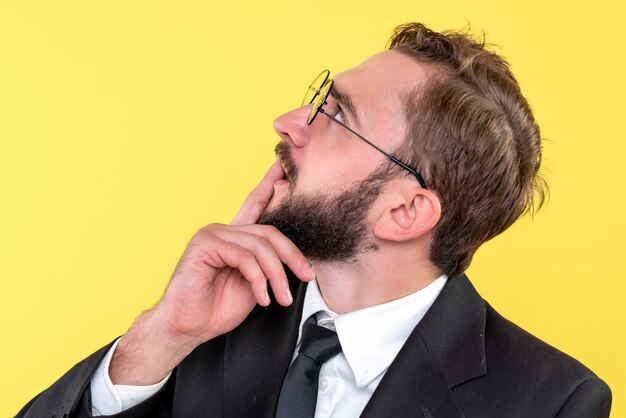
370	338
109	399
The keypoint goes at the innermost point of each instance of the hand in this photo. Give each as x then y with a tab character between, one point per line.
222	274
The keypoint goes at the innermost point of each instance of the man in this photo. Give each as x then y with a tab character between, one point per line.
388	179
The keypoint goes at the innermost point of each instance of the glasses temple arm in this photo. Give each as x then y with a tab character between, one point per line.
417	175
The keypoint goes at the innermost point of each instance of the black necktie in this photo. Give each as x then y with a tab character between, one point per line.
298	395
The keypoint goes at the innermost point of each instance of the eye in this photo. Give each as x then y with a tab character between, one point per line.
339	115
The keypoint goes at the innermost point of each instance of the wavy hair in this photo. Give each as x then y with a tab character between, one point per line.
473	137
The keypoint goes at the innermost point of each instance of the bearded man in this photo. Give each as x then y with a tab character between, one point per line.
338	289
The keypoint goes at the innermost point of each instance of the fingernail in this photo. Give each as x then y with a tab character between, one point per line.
287	293
266	299
308	270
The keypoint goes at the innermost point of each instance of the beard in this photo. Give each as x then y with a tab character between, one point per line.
325	227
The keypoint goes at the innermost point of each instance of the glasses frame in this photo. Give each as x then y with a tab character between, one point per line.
319	100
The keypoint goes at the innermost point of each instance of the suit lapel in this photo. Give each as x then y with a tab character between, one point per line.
446	349
412	387
257	356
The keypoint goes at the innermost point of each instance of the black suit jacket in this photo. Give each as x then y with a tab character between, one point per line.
462	360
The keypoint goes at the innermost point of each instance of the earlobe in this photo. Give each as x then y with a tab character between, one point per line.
409	219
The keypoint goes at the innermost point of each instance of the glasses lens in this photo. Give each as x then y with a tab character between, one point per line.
319	100
312	92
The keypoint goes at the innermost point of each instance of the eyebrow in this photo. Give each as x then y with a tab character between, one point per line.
346	102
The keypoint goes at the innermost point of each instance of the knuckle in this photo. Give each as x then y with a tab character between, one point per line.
209	228
256	278
277	279
200	237
270	229
294	253
259	279
258	198
262	202
204	231
208	231
245	255
264	242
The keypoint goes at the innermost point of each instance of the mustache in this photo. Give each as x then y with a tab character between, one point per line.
283	152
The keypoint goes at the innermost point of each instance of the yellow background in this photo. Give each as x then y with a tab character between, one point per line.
127	125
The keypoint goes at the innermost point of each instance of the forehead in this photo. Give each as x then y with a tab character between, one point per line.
378	88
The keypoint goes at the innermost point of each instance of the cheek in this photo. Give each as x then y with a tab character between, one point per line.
337	172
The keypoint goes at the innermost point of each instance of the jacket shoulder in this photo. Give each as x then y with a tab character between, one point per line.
508	344
541	379
66	393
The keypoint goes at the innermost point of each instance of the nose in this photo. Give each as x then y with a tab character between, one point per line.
292	127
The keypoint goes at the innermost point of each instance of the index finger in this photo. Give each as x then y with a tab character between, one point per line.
258	199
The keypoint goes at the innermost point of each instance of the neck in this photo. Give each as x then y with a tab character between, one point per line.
372	280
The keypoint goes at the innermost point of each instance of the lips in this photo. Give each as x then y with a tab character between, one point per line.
283	152
282	164
286	174
284	180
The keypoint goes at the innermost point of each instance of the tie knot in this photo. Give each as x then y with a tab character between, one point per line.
318	343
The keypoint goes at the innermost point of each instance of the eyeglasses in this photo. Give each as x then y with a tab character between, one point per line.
318	92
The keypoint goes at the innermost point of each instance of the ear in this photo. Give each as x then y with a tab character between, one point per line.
407	213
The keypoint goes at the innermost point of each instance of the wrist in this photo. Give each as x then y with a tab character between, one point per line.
148	352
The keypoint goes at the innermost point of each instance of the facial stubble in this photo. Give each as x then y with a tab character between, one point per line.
324	226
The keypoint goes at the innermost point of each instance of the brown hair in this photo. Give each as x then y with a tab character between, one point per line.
473	137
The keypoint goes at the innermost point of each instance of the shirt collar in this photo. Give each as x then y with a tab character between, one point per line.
372	337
